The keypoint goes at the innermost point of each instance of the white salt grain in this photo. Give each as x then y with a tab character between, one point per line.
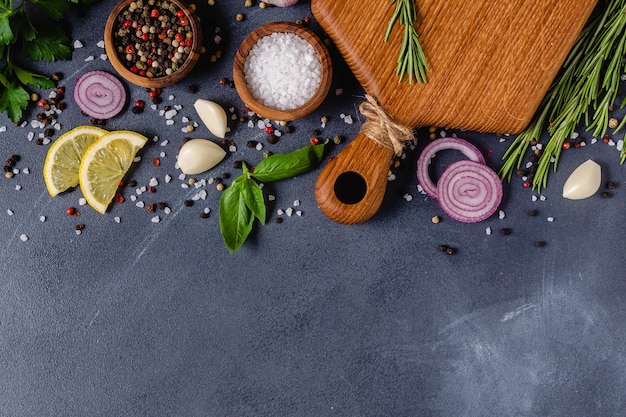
9	212
23	237
78	44
155	219
283	71
117	219
42	218
488	231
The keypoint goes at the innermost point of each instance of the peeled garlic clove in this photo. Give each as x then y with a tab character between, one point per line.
584	181
199	155
213	116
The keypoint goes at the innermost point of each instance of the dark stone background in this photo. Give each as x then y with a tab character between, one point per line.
309	317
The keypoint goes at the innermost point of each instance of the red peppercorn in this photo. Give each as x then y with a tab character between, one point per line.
70	211
189	42
156	161
127	23
130	49
183	21
578	145
121	183
179	37
119	198
142	73
145	37
134	69
154	13
140	103
149	62
526	184
162	35
314	141
566	145
154	93
269	130
152	189
42	102
606	139
307	20
180	14
60	89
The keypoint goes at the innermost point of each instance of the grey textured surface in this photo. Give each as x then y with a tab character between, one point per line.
309	318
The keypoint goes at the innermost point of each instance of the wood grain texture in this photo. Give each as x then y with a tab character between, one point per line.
370	161
491	61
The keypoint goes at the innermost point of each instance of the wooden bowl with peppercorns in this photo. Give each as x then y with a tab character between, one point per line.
153	43
282	71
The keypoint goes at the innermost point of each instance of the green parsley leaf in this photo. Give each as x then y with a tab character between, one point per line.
50	44
13	99
6	33
30	78
53	8
22	27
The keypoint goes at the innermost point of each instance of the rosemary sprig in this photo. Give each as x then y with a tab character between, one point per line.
588	82
411	59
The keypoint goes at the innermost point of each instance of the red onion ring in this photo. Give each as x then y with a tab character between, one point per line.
469	191
99	94
423	177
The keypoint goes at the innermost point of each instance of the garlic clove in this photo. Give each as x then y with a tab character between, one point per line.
199	155
213	116
584	181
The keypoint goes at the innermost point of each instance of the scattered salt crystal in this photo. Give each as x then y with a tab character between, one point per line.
153	106
30	135
138	191
104	57
45	141
57	126
153	182
348	119
184	185
260	124
550	219
391	177
137	159
501	214
611	143
100	44
78	44
296	203
162	154
161	112
169	122
620	144
133	197
89	58
167	210
18	187
182	177
542	198
217	39
250	123
3	129
26	171
232	148
501	140
170	113
16	171
170	97
280	212
117	219
299	213
178	106
140	204
259	146
155	219
23	237
534	198
9	212
271	197
42	218
289	211
488	231
78	232
168	178
185	119
277	133
575	135
408	197
529	164
593	140
206	210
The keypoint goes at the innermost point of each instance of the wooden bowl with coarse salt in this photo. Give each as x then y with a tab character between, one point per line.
282	71
153	44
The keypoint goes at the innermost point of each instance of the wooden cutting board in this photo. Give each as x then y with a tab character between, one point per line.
491	63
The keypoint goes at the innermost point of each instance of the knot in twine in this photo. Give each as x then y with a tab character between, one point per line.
382	128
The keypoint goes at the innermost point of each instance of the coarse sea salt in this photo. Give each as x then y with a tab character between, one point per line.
283	71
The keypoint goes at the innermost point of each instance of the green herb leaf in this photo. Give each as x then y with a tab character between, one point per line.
50	44
6	33
30	78
253	196
236	218
21	26
281	166
13	99
54	8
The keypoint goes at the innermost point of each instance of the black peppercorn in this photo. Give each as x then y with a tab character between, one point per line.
237	164
226	175
505	231
289	129
80	226
193	89
188	203
532	212
540	244
252	143
204	215
57	76
278	220
161	206
610	185
606	194
272	139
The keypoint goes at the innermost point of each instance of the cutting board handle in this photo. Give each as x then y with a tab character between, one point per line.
351	187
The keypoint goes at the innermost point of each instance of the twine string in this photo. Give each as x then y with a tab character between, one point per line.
382	128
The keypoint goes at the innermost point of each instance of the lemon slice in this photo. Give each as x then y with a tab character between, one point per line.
60	169
105	163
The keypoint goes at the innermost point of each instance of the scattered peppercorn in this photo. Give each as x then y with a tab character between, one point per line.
278	220
606	194
240	17
151	208
610	185
237	164
435	219
188	203
540	244
224	81
57	76
220	187
161	206
337	139
532	212
505	231
272	139
252	143
70	211
226	175
289	129
80	226
193	89
132	183
204	214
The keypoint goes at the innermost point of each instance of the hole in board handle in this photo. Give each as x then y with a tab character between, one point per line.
350	187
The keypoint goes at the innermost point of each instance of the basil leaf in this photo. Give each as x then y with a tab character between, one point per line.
281	166
253	197
236	219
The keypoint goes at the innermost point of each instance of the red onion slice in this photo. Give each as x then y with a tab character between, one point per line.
99	94
423	177
469	191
